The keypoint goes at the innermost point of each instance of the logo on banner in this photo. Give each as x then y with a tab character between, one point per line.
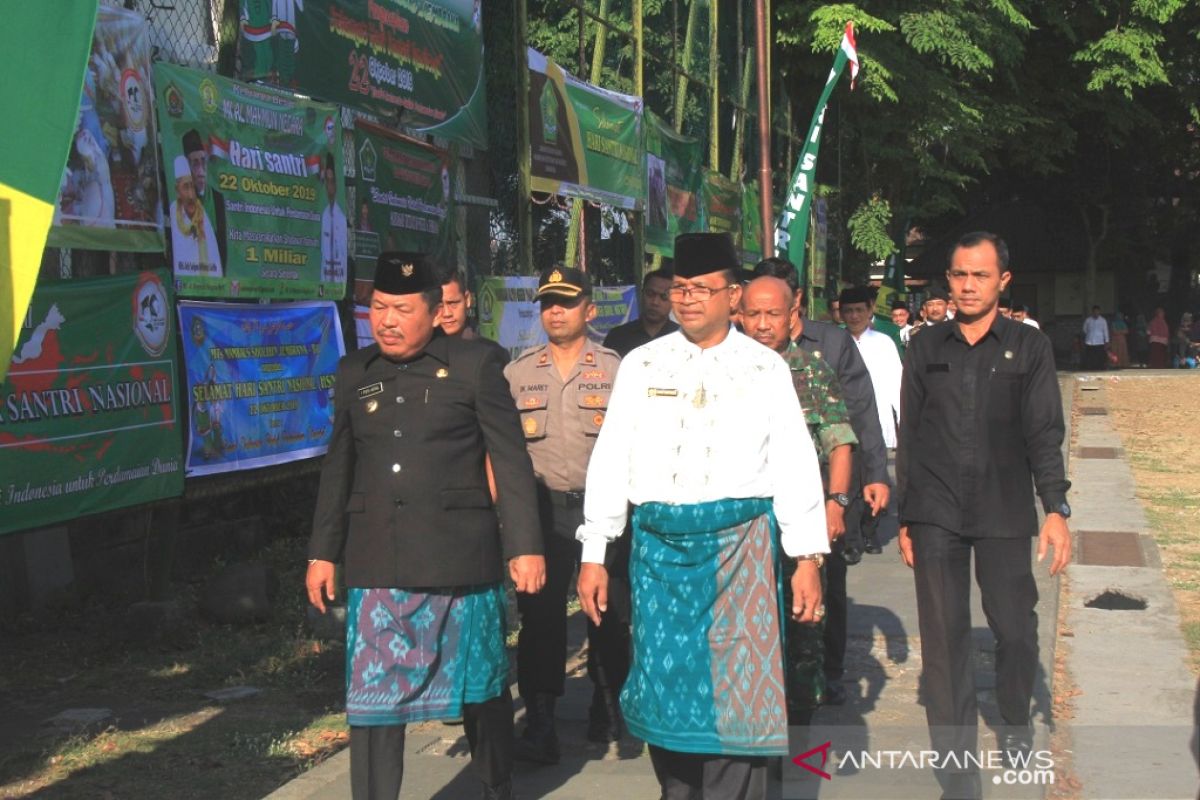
174	100
150	311
367	160
209	96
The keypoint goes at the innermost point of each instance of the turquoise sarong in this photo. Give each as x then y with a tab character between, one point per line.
414	656
707	673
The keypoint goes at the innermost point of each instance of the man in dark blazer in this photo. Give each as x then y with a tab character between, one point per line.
404	504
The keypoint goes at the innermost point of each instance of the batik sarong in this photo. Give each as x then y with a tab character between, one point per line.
413	655
707	674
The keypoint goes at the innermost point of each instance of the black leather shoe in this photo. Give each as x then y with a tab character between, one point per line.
873	548
502	792
604	717
1017	747
851	555
539	741
835	693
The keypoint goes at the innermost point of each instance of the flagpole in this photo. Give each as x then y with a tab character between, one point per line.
766	201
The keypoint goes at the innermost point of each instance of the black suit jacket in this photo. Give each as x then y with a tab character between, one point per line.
837	349
404	498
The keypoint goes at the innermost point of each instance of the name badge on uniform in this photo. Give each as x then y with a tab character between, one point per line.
367	391
662	392
937	367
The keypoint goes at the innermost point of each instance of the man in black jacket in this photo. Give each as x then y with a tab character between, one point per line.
404	503
981	425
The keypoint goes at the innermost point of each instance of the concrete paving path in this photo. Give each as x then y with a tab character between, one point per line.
1129	666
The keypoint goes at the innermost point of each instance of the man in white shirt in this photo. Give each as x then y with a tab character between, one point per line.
1020	313
879	353
705	437
333	229
1095	340
900	318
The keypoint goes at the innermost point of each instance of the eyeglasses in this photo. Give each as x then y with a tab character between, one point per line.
701	293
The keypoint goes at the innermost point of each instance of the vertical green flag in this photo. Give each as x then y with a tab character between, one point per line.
791	232
41	92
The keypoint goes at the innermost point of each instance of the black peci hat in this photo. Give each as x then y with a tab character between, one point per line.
398	272
701	253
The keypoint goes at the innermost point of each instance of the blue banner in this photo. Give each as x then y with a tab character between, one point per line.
260	382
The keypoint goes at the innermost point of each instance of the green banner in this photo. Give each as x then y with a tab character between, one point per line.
673	174
791	230
89	411
421	59
721	204
405	198
584	141
751	233
254	180
110	194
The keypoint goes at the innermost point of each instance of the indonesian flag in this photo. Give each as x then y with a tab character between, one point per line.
851	51
218	147
313	163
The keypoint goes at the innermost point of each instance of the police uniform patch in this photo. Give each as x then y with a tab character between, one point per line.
366	391
543	359
598	420
532	402
442	372
593	401
372	406
530	426
593	374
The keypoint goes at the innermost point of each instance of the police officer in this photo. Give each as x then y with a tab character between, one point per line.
404	505
561	390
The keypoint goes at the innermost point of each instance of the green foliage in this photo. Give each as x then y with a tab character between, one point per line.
1125	59
868	227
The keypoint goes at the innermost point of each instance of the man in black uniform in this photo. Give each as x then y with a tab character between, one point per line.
654	318
404	504
981	425
870	488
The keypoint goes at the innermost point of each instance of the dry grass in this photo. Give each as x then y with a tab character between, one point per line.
1160	429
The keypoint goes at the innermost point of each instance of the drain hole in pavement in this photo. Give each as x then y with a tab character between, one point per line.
1112	600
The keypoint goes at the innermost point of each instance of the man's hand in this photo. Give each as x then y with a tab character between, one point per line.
528	573
1055	534
593	590
876	496
319	583
835	520
906	548
806	592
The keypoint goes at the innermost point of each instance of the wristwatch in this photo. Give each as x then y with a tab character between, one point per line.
1062	509
841	498
819	558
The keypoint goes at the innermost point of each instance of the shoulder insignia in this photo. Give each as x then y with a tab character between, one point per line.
367	391
589	358
543	359
530	426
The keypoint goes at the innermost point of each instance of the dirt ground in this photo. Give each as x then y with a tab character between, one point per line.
1159	424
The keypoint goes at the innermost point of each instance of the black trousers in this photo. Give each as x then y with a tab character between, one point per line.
542	643
377	751
942	567
692	776
1095	356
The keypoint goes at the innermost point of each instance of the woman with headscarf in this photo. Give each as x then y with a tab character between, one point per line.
1159	336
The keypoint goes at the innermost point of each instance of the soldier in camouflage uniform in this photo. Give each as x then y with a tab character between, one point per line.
766	305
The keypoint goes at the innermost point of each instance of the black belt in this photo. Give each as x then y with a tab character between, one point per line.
566	499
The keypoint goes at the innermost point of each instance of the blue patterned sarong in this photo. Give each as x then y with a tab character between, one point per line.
707	674
413	656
